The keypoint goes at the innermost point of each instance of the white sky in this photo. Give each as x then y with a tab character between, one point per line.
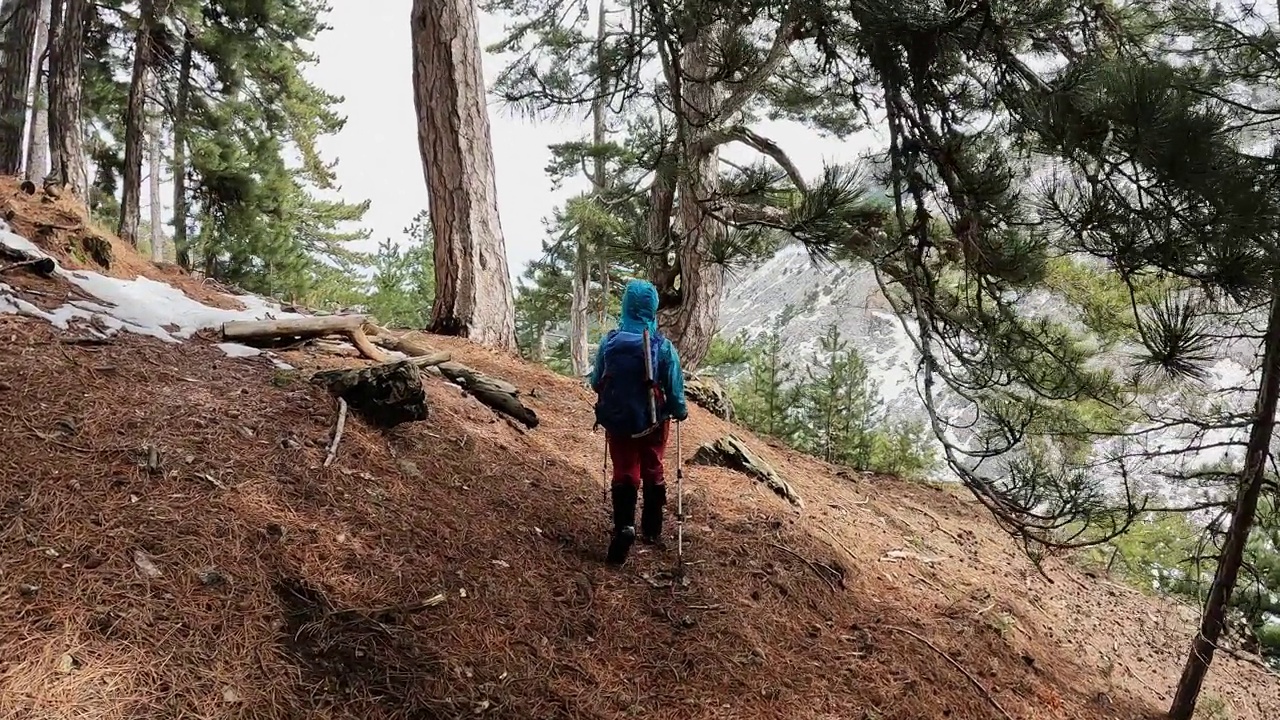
366	59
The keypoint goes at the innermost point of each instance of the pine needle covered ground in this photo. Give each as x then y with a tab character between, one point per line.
172	546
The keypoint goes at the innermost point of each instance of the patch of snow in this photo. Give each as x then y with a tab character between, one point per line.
238	350
141	306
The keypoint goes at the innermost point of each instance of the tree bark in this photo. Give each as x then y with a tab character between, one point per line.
1257	454
579	303
135	118
181	252
15	76
473	289
578	359
66	128
37	164
153	191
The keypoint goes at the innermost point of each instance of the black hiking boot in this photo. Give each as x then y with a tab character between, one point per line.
624	523
655	499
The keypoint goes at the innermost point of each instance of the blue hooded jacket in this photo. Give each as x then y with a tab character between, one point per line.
640	312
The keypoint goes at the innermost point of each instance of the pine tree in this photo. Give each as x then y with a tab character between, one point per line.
403	284
711	74
763	401
1154	178
473	291
839	409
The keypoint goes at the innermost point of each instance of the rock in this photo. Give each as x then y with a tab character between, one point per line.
211	576
145	565
731	452
707	392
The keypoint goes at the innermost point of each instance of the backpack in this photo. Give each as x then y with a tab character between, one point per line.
625	392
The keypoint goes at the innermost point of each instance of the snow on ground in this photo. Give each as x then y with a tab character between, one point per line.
141	306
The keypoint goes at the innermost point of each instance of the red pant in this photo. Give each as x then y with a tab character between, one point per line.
639	460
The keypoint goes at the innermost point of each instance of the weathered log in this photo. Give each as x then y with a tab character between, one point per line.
497	394
291	329
734	454
38	264
709	393
386	395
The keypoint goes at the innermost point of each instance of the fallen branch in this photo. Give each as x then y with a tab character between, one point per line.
337	433
366	348
954	663
406	609
814	566
732	453
497	394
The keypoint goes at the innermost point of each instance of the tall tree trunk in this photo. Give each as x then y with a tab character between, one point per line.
66	128
154	157
1249	488
579	302
15	76
692	323
135	117
181	250
473	289
581	288
37	164
605	282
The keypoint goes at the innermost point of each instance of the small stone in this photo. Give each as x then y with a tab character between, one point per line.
211	576
145	565
28	590
67	664
231	695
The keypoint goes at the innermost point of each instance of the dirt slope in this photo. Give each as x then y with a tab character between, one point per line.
171	546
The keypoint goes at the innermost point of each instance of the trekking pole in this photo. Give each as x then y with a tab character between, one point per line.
679	503
604	488
648	378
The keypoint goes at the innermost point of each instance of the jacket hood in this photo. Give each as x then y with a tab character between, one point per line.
639	307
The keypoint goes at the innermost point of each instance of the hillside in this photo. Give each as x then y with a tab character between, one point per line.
171	545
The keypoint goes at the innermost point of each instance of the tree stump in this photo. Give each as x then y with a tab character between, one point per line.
13	258
385	395
732	453
709	393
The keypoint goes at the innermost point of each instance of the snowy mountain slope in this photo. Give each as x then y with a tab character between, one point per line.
803	299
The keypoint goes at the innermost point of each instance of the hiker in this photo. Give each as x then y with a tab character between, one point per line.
636	401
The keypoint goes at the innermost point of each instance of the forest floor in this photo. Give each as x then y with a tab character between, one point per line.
171	545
